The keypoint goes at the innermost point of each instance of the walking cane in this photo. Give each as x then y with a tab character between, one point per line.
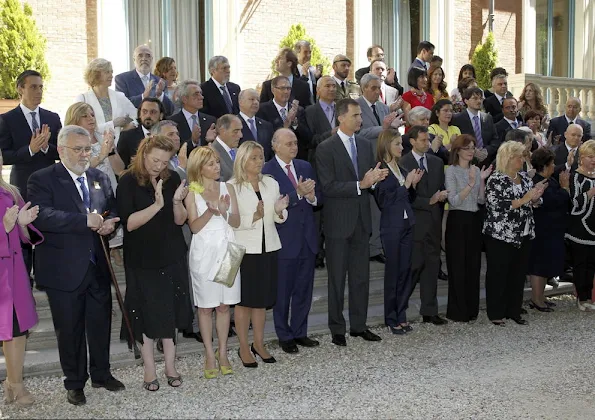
120	300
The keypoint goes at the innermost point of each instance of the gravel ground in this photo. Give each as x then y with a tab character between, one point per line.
457	371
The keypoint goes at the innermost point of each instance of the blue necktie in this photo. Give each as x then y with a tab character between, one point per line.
232	153
85	190
477	131
227	99
422	164
353	155
253	128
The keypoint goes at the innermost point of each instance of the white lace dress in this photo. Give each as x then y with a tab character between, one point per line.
204	250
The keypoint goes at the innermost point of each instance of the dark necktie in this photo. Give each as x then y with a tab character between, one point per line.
477	131
376	114
343	86
85	191
227	98
422	164
34	124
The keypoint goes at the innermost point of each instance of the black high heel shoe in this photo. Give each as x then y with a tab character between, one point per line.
545	308
248	365
268	360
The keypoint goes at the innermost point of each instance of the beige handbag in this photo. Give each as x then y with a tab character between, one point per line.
230	264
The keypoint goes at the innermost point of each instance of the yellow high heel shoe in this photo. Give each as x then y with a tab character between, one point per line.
210	373
225	370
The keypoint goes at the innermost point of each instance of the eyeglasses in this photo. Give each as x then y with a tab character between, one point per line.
78	150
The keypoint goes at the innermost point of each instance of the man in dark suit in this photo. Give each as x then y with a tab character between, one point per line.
286	65
510	119
425	53
229	134
150	112
280	113
196	128
567	155
559	124
479	125
253	127
374	53
347	170
28	136
299	243
220	95
76	207
495	72
139	83
493	103
428	211
308	73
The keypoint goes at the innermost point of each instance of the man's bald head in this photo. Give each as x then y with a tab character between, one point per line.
573	108
285	144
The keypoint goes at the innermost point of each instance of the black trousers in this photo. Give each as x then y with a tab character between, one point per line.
80	317
505	277
583	261
348	257
463	242
398	246
425	264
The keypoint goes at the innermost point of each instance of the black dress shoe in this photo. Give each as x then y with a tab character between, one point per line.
442	275
519	320
379	258
366	335
111	384
289	346
306	342
435	319
339	340
76	396
524	311
194	335
319	262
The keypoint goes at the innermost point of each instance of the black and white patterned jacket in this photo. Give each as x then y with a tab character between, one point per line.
581	227
502	222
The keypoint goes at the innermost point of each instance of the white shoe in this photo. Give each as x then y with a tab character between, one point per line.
585	306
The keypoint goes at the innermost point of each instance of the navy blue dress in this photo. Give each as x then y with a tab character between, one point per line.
551	219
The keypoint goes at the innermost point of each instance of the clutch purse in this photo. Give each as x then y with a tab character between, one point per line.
230	264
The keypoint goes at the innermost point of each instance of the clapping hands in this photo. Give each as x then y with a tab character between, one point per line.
306	188
373	176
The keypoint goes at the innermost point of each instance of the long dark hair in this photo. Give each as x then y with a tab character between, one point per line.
436	110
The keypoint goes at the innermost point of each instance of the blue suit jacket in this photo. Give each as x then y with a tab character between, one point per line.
393	199
62	260
15	136
300	225
132	87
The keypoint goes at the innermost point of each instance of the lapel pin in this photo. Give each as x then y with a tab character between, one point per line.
96	185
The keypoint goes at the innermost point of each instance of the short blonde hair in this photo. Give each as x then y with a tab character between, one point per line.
587	149
506	152
199	158
244	151
75	113
94	69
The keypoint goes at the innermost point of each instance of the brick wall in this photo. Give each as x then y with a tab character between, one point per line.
263	27
471	27
92	41
63	23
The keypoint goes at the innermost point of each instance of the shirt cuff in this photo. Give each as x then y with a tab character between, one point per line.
313	202
45	151
359	191
566	165
30	151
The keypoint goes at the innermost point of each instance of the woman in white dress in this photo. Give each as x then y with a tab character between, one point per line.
212	212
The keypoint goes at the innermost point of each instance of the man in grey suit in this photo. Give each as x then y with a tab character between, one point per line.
229	133
375	118
347	171
428	211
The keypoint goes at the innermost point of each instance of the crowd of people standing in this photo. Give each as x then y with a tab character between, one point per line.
315	171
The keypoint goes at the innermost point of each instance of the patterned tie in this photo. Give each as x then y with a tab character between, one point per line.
283	114
194	121
375	114
227	98
290	176
175	161
232	153
353	155
253	128
34	124
422	164
145	80
85	191
515	125
477	130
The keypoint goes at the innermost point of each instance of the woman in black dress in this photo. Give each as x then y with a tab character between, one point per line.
260	206
546	259
152	213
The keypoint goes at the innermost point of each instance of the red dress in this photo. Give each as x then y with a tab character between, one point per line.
427	100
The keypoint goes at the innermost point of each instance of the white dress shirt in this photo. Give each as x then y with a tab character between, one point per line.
78	185
418	157
294	173
29	119
225	146
401	179
345	139
570	149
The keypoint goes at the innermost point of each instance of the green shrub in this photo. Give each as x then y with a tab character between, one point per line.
298	33
22	47
485	58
